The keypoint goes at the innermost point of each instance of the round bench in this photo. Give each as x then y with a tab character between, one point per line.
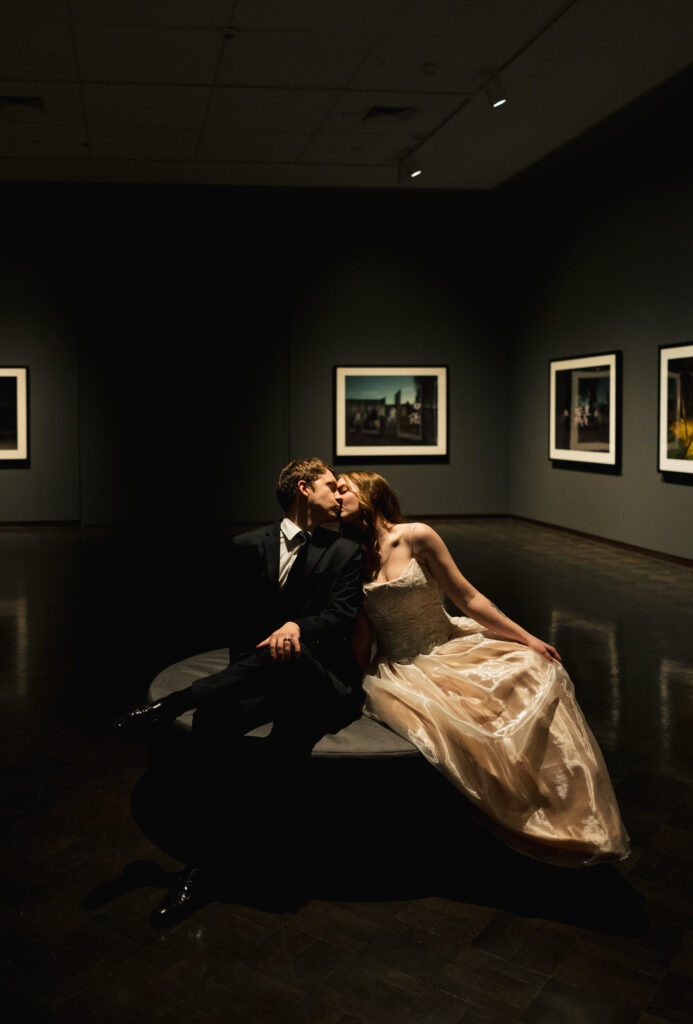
363	738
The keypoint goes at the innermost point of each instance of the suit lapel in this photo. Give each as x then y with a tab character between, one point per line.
315	553
316	550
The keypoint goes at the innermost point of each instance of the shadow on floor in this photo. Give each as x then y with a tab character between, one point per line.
344	830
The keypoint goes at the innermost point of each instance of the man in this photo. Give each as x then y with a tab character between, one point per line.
298	590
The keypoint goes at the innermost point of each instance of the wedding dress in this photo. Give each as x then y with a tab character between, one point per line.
498	719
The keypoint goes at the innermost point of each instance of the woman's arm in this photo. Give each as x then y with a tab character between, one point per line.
429	548
361	640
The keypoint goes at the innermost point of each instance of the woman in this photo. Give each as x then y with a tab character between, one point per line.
485	701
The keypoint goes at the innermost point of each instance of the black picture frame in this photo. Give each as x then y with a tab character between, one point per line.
675	409
585	412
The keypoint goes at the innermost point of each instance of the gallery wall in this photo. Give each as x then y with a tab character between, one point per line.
35	331
611	271
408	284
183	360
198	330
181	341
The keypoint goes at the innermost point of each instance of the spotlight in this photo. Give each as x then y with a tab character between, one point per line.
495	92
408	167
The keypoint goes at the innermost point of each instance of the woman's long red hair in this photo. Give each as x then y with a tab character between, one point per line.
378	502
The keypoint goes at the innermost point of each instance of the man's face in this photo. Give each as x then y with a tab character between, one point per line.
324	503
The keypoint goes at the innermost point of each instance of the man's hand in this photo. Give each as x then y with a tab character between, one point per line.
285	643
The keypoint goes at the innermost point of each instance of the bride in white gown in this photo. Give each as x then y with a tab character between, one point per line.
484	701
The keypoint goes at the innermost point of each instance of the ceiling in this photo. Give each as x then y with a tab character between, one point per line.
291	92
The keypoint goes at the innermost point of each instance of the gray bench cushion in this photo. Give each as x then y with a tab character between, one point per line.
362	738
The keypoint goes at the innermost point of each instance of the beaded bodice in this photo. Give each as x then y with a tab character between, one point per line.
407	614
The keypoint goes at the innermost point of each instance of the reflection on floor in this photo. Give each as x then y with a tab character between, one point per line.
381	899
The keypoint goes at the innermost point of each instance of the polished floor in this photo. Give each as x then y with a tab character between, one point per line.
379	899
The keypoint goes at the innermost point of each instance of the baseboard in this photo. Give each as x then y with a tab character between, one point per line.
663	556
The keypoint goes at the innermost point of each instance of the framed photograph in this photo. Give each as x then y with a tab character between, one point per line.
14	414
391	411
584	409
676	408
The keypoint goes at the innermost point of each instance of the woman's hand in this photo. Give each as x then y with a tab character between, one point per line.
546	650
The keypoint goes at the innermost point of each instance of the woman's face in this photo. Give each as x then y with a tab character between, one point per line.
351	510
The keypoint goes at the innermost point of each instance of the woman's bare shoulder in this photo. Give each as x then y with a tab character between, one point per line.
423	535
424	542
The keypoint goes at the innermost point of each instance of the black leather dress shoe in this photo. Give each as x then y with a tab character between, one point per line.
140	724
192	893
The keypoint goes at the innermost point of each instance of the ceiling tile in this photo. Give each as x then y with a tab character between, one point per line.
201	13
263	147
34	10
300	75
196	172
316	59
146	106
292	110
116	142
586	67
429	110
162	55
365	149
62	103
39	50
31	140
312	15
518	18
422	62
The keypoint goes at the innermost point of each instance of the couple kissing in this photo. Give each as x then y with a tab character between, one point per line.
335	624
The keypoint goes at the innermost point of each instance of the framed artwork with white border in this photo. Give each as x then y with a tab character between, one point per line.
584	411
14	414
391	411
676	408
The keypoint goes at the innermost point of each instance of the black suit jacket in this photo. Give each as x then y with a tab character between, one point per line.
323	602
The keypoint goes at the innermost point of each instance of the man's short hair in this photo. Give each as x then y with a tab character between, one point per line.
298	469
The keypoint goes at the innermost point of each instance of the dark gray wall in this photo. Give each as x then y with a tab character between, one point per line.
183	362
35	331
409	286
182	341
203	326
612	271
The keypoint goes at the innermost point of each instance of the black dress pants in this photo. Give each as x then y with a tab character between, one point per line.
237	781
297	696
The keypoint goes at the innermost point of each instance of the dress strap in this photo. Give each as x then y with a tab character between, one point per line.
411	539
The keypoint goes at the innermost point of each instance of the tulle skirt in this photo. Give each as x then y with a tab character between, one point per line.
503	725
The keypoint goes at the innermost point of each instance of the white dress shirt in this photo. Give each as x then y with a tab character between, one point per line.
290	544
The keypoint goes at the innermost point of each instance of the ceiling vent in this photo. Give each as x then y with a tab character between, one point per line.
391	115
28	102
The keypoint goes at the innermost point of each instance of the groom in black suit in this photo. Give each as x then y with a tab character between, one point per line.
298	590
